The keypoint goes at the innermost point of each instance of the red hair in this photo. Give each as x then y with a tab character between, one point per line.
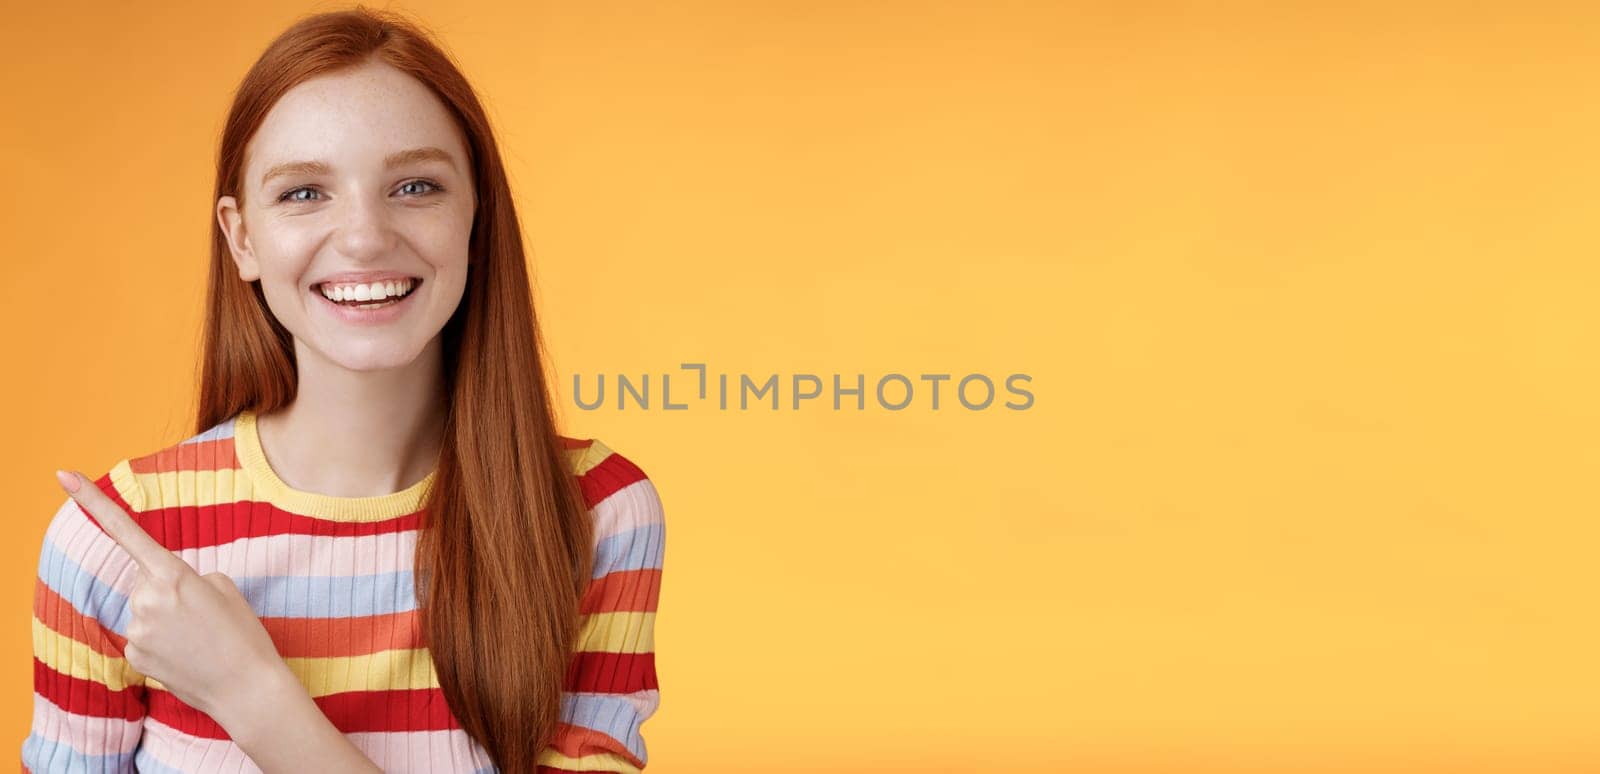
504	553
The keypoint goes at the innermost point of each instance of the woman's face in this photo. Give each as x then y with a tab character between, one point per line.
355	177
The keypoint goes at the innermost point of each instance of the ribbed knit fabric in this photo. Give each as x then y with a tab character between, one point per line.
331	579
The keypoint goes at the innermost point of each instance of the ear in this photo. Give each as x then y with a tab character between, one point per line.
231	218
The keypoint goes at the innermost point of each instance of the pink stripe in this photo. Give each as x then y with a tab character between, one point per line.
78	538
88	735
273	555
644	702
181	752
422	751
306	555
392	751
630	507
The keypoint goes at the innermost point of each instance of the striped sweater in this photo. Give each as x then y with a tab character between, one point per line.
331	580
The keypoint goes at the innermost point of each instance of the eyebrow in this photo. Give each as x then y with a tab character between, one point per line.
397	159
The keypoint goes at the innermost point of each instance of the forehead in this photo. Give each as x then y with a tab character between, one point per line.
353	117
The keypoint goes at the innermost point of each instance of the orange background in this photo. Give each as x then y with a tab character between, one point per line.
1307	296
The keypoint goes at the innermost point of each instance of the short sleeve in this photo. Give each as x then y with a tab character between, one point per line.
88	703
611	687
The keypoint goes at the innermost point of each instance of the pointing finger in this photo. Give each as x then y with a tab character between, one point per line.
151	556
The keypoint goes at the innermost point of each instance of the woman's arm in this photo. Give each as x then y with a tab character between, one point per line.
611	685
195	635
282	729
88	704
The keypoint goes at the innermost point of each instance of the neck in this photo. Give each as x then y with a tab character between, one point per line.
358	433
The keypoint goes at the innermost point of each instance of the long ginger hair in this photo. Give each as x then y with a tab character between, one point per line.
504	547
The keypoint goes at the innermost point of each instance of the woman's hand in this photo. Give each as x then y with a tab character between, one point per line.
195	634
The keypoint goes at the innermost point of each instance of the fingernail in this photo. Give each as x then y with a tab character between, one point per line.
68	481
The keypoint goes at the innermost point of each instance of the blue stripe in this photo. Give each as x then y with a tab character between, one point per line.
47	756
82	589
277	596
330	596
609	714
148	764
639	548
223	429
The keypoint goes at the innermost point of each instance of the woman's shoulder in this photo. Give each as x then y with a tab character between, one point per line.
136	483
139	478
615	488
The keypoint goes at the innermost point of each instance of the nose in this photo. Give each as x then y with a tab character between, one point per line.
365	231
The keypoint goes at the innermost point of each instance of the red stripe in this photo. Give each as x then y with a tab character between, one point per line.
58	615
104	482
576	741
421	709
623	591
604	479
217	454
600	672
181	527
87	697
348	636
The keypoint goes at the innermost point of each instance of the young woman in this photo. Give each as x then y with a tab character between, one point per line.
376	553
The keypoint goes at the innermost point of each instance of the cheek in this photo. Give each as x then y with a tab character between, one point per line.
282	277
284	254
448	258
283	283
448	243
283	298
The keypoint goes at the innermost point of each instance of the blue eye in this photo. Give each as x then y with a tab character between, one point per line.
289	195
434	185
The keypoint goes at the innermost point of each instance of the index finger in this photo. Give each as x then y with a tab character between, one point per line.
150	555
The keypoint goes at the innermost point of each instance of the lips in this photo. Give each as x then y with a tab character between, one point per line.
364	277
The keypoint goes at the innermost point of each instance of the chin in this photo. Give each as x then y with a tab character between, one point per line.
372	359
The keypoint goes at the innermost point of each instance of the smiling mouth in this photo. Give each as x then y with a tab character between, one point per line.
356	303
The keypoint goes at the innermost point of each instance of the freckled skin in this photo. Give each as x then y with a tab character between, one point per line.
358	216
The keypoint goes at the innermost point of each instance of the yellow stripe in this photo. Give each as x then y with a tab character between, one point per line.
412	668
126	483
401	669
204	488
582	460
594	762
386	670
193	488
71	657
620	632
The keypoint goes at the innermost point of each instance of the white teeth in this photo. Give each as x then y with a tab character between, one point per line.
376	291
